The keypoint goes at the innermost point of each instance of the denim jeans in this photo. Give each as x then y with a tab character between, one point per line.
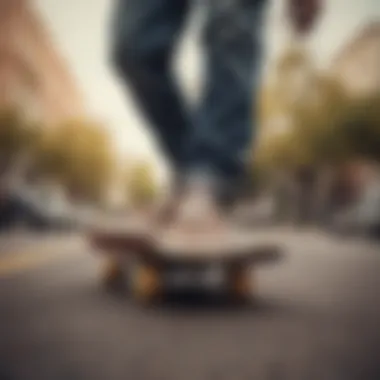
216	136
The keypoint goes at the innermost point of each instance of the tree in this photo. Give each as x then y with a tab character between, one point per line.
362	127
314	133
301	145
317	123
13	135
278	145
78	154
19	139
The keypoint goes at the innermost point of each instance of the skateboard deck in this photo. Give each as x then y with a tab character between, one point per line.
237	248
150	262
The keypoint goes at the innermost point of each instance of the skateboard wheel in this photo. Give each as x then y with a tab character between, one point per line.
113	275
240	285
112	272
146	283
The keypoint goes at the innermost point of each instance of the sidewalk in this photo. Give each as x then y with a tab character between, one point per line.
20	240
12	239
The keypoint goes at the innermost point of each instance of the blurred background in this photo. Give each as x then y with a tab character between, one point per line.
73	148
71	131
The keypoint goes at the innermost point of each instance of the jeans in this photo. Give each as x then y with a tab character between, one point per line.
216	136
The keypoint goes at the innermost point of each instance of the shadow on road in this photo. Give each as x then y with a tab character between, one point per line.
203	304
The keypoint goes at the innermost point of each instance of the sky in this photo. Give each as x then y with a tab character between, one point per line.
80	29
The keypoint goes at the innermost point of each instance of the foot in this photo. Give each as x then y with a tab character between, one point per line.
165	211
197	213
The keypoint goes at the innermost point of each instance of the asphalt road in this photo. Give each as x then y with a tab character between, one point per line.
316	316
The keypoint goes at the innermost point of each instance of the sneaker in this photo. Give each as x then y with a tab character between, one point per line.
165	211
198	212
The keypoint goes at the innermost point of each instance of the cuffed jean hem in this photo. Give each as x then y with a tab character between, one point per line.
224	189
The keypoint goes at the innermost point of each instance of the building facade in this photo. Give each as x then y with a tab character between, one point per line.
33	75
357	65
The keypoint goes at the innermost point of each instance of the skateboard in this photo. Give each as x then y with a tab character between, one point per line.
152	268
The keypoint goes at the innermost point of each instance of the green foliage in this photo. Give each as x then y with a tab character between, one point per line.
317	125
18	141
14	132
362	127
79	155
325	126
333	130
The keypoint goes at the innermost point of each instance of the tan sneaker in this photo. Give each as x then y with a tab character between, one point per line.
198	213
165	211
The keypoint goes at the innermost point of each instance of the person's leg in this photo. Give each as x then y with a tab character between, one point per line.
226	122
222	137
145	33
